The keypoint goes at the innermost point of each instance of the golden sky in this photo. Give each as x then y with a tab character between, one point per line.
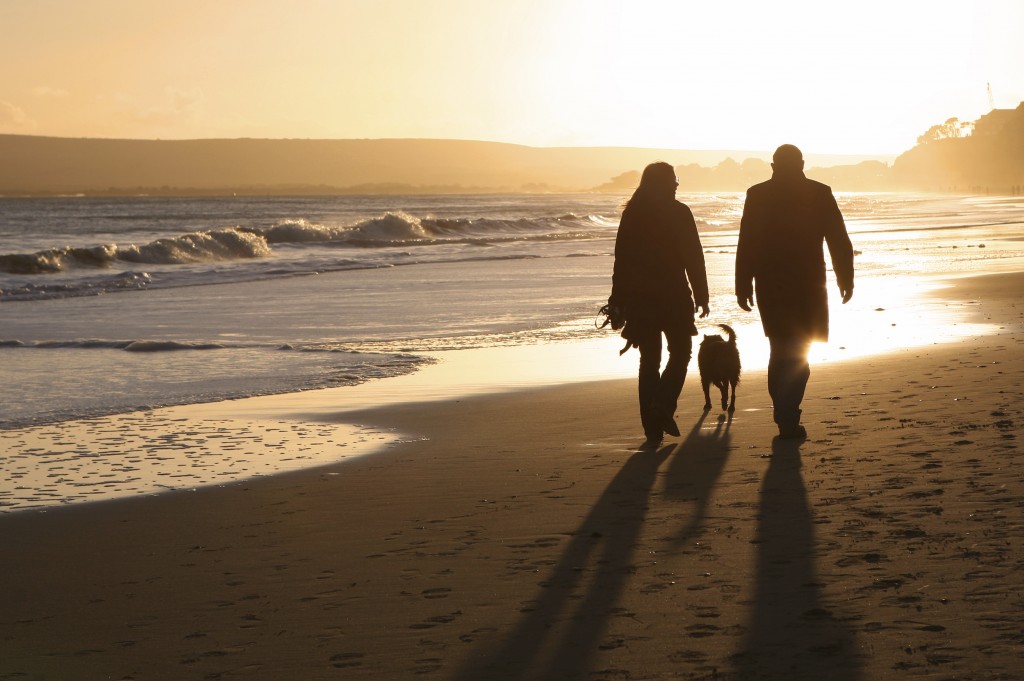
832	76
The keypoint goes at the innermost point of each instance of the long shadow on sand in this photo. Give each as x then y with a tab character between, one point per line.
560	636
791	634
696	467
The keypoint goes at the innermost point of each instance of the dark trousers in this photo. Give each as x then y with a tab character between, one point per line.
788	371
659	390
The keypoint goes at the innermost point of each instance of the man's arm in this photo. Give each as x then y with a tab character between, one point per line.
744	257
840	248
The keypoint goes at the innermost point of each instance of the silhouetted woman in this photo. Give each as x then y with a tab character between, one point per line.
658	262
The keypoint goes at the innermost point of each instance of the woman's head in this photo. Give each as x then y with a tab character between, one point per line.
658	181
659	177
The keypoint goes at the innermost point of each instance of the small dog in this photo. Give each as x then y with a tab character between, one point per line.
719	363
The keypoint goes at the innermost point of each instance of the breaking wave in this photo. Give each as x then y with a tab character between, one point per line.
239	243
213	245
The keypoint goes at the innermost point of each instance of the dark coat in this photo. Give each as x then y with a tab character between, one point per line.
780	256
658	258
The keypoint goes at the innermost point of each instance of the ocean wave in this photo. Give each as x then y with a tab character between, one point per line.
127	345
123	281
238	243
147	345
57	259
218	244
288	247
400	228
165	346
298	232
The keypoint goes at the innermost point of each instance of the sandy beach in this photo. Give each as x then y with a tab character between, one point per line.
521	536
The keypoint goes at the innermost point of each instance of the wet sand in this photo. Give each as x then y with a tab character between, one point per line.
521	536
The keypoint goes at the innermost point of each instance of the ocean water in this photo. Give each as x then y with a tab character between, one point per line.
112	305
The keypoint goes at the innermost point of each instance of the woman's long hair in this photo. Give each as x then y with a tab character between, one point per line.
657	186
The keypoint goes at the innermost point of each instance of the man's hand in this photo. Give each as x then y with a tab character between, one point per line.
704	310
745	302
847	293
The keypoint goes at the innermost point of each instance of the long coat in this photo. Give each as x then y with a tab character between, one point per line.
780	257
658	258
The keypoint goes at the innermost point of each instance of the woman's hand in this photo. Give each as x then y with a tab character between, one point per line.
703	309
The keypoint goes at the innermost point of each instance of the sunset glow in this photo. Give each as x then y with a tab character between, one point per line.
859	78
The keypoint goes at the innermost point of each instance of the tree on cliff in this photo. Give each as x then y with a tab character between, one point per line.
951	129
984	156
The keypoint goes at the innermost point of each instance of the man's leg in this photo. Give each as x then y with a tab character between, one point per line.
788	371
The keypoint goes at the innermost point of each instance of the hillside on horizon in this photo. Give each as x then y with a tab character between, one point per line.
978	156
31	165
974	156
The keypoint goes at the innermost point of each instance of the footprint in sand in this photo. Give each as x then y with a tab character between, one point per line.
687	656
440	592
427	665
472	636
702	630
347	660
432	622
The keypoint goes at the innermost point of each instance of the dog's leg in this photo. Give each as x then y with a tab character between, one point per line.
732	402
705	383
724	387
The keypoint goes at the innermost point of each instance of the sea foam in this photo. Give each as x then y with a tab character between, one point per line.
236	243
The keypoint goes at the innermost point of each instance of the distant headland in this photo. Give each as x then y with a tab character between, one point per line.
982	156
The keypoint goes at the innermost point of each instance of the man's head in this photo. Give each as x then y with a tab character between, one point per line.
787	159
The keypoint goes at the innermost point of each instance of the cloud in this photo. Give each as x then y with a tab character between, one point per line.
47	91
13	118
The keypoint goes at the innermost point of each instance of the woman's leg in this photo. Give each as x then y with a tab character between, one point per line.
680	348
649	384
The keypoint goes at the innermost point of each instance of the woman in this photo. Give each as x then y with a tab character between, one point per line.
657	249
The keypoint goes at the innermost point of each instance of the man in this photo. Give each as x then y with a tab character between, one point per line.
780	255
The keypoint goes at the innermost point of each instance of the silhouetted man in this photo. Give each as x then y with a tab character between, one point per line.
780	256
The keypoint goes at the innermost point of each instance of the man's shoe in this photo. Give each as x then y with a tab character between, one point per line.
796	432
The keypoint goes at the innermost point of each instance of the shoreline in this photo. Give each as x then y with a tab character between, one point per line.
56	464
521	536
107	382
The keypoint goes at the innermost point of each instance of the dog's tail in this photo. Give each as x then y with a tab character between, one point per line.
728	330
